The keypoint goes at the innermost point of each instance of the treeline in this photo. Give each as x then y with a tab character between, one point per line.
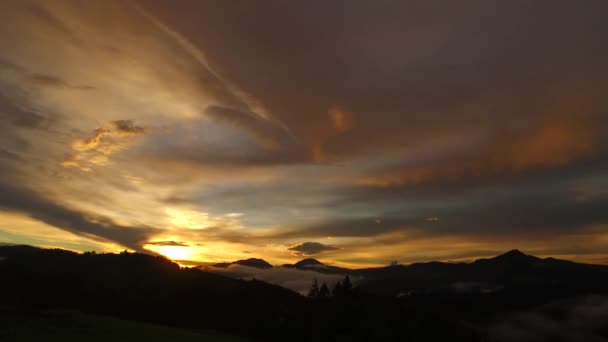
142	287
340	288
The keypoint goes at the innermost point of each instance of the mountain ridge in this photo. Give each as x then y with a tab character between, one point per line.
435	296
509	257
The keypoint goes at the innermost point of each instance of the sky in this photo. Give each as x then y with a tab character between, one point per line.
361	133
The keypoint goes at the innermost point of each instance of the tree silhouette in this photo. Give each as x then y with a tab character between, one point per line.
324	291
314	289
338	289
347	286
342	287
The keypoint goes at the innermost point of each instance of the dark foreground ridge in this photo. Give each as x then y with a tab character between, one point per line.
420	302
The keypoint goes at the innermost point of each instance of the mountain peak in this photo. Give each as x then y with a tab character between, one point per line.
251	262
515	255
307	262
254	262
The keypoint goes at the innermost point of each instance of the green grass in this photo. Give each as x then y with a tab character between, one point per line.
71	326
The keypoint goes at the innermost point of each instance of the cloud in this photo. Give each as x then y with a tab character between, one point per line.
361	135
310	248
127	127
223	139
413	82
296	280
96	151
9	155
53	81
98	228
581	319
41	79
505	212
168	243
266	133
20	116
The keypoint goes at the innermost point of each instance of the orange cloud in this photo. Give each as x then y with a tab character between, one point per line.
557	141
98	149
341	119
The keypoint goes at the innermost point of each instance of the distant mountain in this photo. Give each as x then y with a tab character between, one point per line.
251	262
512	257
317	266
432	301
308	262
511	270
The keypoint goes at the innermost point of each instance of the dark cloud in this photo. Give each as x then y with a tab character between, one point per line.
168	243
425	72
311	248
177	200
42	79
505	94
53	81
38	207
11	66
49	80
532	212
127	127
22	117
9	155
469	182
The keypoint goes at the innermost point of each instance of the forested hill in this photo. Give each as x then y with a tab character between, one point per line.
420	302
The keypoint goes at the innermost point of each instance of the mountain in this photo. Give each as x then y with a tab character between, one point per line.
512	257
146	288
432	301
311	264
513	270
307	262
251	262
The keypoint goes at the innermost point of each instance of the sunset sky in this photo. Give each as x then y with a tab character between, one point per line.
355	132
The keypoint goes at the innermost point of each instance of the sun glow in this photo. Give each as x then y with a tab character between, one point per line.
187	218
174	252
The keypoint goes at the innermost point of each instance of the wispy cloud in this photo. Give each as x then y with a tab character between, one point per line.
311	248
350	145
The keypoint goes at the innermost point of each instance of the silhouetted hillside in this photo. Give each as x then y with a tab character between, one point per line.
511	271
147	288
421	302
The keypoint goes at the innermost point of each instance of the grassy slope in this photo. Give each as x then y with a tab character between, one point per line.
71	326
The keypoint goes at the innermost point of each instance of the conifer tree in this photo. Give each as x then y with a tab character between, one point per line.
324	291
314	289
347	286
338	289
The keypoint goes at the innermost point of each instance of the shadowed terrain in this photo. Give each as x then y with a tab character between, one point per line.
66	326
480	301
